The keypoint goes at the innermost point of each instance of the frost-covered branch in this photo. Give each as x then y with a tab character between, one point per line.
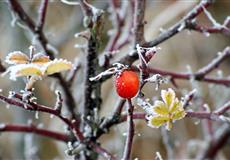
42	15
172	31
18	101
221	56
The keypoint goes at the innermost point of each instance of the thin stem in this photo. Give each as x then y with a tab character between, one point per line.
112	120
130	134
42	15
172	31
36	107
33	129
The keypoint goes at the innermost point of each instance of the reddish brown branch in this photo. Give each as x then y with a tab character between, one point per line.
130	133
200	75
110	121
213	64
129	59
36	107
33	129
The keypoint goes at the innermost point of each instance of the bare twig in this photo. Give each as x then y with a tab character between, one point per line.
42	15
139	14
129	59
130	133
118	25
33	129
36	107
110	121
213	64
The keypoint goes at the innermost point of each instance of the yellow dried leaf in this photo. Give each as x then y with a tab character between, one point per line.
157	121
26	70
160	108
17	57
168	96
175	105
40	59
179	114
57	65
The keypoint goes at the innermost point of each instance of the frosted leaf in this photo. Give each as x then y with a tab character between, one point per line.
24	70
17	57
57	65
40	59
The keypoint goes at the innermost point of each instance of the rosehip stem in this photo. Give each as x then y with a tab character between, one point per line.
130	133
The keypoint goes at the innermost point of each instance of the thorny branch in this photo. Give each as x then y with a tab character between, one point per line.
200	75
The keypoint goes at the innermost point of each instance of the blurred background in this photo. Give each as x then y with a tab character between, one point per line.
185	52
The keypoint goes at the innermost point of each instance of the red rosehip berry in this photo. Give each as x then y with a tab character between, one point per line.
127	84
